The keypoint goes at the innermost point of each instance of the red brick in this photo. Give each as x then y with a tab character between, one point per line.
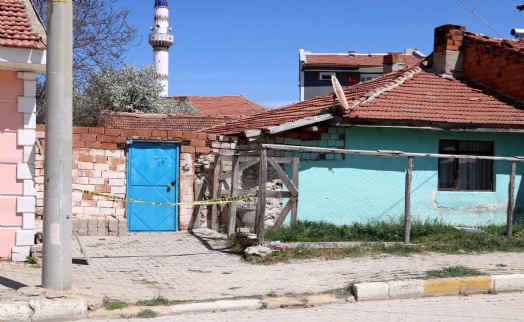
189	135
198	142
94	145
88	137
80	130
86	196
201	135
119	139
117	161
204	149
79	144
99	159
109	146
159	133
211	137
113	132
144	133
103	189
96	130
174	134
187	149
129	133
105	138
86	158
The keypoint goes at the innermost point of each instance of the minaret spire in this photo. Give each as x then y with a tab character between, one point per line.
161	40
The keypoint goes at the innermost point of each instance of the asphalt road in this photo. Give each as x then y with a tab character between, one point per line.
500	307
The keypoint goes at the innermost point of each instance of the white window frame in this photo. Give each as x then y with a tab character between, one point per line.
322	74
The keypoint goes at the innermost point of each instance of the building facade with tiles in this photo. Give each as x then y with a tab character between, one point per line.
465	98
351	68
22	56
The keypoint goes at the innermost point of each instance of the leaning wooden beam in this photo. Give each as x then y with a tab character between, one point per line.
235	183
511	199
289	205
302	122
283	176
294	210
195	219
262	195
216	192
387	153
407	202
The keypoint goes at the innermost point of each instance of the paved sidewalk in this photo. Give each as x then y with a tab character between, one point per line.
184	266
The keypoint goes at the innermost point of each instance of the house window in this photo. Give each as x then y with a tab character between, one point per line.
465	174
327	76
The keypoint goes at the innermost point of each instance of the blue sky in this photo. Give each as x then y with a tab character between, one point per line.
250	47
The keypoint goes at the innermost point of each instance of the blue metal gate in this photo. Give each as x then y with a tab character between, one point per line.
152	175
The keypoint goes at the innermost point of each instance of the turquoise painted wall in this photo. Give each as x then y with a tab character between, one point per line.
363	188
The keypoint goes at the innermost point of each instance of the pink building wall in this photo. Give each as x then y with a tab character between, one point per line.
17	136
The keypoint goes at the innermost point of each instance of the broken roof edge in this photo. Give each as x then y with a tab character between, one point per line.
376	92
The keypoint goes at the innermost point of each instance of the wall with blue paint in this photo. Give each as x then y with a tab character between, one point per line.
363	188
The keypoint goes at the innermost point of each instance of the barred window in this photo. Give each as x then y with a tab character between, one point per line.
465	174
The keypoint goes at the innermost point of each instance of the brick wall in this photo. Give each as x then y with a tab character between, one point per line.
99	165
497	63
494	67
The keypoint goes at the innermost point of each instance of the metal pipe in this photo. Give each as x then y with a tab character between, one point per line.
57	259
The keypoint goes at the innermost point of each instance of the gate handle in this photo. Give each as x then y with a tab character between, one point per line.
171	185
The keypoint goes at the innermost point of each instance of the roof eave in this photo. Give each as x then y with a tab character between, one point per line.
23	59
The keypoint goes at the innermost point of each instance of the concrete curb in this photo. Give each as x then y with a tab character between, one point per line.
38	309
438	287
43	309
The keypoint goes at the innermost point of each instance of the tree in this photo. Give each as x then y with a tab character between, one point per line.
126	89
102	37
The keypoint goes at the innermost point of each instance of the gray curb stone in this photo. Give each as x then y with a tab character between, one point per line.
45	309
508	283
15	311
406	289
371	291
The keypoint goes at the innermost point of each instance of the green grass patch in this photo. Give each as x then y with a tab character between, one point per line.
146	314
453	271
430	236
157	301
111	305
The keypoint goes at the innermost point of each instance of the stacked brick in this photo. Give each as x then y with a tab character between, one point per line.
100	165
449	37
498	64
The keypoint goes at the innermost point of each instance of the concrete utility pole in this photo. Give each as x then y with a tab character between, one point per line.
57	260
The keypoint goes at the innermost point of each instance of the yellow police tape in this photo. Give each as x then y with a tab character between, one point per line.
189	203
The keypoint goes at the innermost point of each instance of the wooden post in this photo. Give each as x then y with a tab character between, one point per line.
294	210
215	193
511	199
262	195
407	201
235	182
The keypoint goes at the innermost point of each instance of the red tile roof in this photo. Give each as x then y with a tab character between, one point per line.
233	105
300	110
403	97
16	29
179	122
346	60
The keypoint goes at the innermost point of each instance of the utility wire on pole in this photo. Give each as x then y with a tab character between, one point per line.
57	259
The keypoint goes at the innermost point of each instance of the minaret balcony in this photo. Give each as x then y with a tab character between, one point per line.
160	40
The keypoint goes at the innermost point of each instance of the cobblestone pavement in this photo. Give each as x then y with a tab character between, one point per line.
501	307
185	266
